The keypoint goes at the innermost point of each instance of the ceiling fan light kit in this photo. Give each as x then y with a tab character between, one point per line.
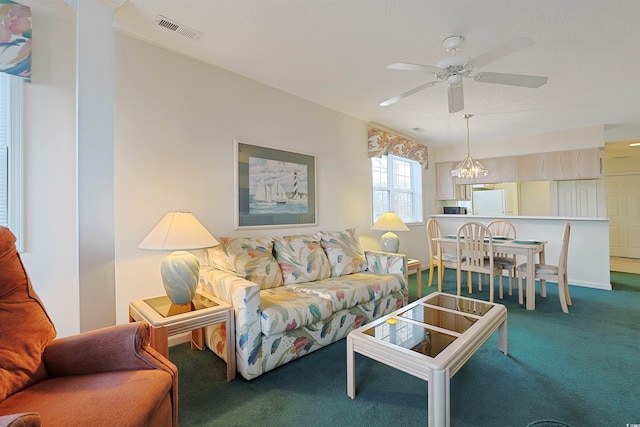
455	68
469	168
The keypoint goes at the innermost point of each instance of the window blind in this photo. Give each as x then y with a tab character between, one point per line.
4	150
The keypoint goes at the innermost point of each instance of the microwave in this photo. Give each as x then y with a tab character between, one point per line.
454	210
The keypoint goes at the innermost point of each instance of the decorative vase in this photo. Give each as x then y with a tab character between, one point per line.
180	272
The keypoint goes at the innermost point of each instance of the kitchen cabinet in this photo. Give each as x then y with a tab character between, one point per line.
559	165
445	186
501	169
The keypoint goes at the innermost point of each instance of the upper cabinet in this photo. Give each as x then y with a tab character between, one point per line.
501	169
445	187
560	165
554	166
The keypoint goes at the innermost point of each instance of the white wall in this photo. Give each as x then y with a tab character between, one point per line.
50	250
587	137
175	120
175	123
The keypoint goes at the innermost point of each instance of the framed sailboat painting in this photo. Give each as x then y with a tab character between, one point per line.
274	187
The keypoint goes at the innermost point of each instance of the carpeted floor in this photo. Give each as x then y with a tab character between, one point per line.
580	368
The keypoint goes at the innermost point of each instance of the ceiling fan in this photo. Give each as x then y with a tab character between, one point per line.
454	68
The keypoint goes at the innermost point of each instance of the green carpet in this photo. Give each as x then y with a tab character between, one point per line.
580	368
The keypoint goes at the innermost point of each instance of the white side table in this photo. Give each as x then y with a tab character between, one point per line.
167	319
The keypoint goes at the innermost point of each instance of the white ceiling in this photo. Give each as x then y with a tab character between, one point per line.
334	53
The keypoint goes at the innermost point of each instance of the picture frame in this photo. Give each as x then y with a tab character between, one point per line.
274	188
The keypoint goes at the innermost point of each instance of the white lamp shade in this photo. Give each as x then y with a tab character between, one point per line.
390	221
178	231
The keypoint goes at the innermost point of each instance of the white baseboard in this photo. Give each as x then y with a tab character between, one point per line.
179	339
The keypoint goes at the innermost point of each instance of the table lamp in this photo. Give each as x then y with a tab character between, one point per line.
389	222
179	232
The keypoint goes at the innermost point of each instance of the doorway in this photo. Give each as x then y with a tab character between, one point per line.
622	179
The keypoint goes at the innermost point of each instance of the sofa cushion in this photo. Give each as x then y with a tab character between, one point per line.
349	291
301	258
250	258
115	398
344	252
285	309
25	327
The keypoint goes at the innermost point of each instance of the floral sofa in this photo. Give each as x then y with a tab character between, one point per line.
295	294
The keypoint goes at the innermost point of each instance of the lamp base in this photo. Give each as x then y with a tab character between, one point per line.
390	242
180	272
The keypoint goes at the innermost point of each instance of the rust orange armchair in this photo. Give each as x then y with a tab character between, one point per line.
106	377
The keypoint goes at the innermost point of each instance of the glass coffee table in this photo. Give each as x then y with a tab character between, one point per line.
431	339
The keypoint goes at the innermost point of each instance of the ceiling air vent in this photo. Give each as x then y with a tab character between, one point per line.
172	25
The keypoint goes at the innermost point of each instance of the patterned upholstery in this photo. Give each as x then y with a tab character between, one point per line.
251	258
344	252
275	325
301	258
284	309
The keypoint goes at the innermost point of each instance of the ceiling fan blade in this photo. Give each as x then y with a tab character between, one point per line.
414	67
501	51
456	98
512	79
407	93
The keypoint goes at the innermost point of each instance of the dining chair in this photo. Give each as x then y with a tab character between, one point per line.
554	273
504	228
474	249
447	261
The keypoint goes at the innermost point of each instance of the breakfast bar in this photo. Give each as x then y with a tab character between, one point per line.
588	261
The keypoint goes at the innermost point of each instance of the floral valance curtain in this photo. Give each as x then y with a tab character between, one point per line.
382	142
15	39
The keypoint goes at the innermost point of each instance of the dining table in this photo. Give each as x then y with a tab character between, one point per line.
528	248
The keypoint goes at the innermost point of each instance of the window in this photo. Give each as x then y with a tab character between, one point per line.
397	187
10	154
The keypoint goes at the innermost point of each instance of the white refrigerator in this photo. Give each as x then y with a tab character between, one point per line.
489	202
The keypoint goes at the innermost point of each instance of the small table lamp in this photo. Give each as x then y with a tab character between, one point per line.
390	221
179	231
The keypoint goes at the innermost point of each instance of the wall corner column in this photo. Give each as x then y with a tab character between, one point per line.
95	164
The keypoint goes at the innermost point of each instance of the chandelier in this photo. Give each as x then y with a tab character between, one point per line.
469	168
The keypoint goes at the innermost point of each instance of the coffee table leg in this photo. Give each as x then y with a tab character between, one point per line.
502	337
439	399
351	386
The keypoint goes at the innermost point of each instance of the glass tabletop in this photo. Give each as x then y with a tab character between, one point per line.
432	325
452	302
419	338
165	308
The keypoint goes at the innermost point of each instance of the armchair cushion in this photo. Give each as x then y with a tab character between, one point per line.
21	342
117	398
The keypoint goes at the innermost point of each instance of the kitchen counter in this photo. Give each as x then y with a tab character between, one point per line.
588	260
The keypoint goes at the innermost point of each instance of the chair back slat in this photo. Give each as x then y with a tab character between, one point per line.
564	251
475	243
502	228
433	231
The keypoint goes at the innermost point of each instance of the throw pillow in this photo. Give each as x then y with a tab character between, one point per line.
247	257
344	251
301	258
